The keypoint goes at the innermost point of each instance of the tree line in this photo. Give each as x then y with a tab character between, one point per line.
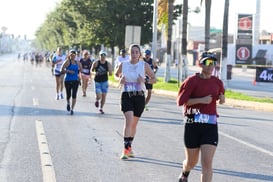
91	23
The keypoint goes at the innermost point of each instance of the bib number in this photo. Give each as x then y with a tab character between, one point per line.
205	118
131	87
84	70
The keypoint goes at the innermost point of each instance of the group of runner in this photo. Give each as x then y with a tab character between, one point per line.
101	69
71	71
198	94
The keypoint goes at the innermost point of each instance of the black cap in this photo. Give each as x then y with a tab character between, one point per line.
147	52
122	51
207	55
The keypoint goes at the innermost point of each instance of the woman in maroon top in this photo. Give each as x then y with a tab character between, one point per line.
199	94
86	71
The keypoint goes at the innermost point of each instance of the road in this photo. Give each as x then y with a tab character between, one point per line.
41	142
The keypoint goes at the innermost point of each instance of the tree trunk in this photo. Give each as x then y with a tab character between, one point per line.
184	59
169	41
207	24
225	42
113	56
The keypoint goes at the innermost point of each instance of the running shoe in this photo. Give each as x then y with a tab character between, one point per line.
183	178
71	112
97	103
57	97
101	111
131	153
146	108
61	96
68	107
125	154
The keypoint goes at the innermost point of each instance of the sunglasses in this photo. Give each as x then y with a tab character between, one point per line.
103	54
209	62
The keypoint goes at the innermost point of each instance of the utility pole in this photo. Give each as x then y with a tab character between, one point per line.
257	23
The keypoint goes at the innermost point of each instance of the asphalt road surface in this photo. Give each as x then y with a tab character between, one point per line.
41	142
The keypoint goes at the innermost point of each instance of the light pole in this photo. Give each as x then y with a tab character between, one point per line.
257	23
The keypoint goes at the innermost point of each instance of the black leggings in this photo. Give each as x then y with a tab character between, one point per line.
71	87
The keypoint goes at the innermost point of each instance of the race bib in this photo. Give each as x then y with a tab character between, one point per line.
205	118
84	70
131	87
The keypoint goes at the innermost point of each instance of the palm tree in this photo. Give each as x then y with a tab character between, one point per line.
162	12
165	13
167	75
207	23
185	12
184	39
225	39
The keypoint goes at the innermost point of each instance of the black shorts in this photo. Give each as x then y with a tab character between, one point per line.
58	75
149	86
197	134
135	103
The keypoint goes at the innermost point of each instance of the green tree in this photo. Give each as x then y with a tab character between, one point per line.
103	22
167	12
59	29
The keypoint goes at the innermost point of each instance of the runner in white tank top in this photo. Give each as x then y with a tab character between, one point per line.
131	76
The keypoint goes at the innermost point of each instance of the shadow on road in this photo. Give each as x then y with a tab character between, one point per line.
244	175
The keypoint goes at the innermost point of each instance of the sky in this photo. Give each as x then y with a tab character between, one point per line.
235	7
26	16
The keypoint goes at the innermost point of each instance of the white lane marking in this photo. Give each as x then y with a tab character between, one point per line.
35	101
46	162
247	144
